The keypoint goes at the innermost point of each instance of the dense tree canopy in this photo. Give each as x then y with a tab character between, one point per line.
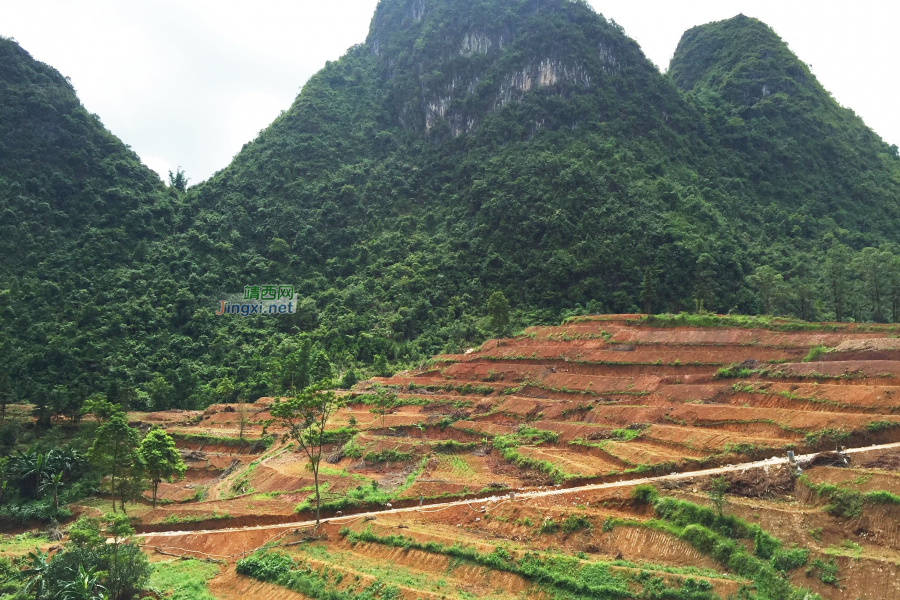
512	146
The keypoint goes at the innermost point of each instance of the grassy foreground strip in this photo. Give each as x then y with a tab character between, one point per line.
564	577
183	580
280	569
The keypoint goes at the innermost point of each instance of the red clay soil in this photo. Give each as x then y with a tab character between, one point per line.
686	392
796	420
889	461
491	371
886	371
231	586
166	416
624	415
883	398
710	440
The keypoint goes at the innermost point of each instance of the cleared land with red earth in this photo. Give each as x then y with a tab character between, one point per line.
597	399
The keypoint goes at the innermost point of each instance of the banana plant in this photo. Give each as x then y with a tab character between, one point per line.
53	483
35	573
85	586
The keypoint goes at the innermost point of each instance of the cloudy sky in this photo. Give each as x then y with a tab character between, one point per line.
188	82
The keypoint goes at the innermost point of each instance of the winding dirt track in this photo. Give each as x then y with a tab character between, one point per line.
519	497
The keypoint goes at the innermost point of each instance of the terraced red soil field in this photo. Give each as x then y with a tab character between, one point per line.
596	399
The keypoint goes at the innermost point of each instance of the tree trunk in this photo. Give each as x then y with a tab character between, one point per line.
112	477
316	479
155	487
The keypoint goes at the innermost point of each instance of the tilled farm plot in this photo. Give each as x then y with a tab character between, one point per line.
511	549
594	400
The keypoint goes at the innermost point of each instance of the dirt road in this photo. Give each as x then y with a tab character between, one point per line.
519	496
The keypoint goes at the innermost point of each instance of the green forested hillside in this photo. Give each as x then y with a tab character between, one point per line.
465	147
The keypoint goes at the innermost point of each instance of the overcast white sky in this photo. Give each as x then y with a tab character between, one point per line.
189	82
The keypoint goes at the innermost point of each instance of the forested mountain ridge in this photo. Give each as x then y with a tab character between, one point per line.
466	147
804	153
77	207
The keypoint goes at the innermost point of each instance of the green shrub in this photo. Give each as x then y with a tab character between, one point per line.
845	503
645	493
814	353
881	497
765	545
388	455
733	372
877	426
574	523
793	558
549	526
828	571
831	435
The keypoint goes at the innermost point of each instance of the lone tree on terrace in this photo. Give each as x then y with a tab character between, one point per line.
161	458
114	452
305	418
717	488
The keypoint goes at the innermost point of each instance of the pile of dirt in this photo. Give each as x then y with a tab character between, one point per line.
189	455
759	483
888	462
601	434
864	349
855	345
828	459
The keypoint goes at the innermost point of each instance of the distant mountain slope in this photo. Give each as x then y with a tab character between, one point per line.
804	155
466	147
61	172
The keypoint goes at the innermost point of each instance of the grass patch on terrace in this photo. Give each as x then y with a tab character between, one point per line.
135	509
451	446
456	465
525	435
559	575
263	443
742	321
183	579
22	543
466	389
846	502
373	399
196	517
366	494
391	573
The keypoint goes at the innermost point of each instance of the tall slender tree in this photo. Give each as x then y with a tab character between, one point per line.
498	313
113	451
835	273
304	418
767	282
